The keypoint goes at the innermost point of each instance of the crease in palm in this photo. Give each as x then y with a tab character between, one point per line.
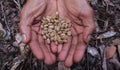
74	49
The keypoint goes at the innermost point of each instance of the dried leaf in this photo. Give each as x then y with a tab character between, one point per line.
62	67
107	34
116	42
24	48
2	31
118	50
110	51
18	38
116	62
93	51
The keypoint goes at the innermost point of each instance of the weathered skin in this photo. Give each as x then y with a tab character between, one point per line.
78	11
81	15
31	14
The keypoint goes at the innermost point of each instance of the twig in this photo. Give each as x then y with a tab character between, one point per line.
62	67
87	62
106	25
103	56
18	4
115	62
4	66
4	16
17	61
104	65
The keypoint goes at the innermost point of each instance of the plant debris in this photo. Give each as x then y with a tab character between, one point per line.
15	55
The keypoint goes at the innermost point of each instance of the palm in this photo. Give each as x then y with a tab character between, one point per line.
82	26
31	15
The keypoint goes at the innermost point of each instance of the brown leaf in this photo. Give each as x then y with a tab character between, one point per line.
118	50
2	29
62	67
110	51
116	42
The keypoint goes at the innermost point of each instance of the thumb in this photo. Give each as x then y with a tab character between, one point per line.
25	30
89	28
87	35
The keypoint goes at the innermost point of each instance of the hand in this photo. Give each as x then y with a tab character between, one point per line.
31	15
81	15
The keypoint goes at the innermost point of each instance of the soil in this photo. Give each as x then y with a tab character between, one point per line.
104	47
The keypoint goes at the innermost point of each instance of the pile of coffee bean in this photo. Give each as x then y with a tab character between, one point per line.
55	29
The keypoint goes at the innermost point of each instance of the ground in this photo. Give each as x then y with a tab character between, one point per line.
103	52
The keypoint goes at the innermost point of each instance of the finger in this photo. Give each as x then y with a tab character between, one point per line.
51	54
89	28
25	30
69	59
28	16
59	48
54	47
65	49
48	46
53	57
88	22
25	26
34	45
51	11
80	49
48	59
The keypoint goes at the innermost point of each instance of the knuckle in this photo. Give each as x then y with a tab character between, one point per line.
88	12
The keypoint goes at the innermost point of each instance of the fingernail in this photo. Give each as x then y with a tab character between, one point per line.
24	37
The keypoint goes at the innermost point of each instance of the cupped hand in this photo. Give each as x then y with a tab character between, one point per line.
81	15
31	14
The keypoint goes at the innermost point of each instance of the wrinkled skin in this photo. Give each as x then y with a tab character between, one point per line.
78	11
81	15
31	14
